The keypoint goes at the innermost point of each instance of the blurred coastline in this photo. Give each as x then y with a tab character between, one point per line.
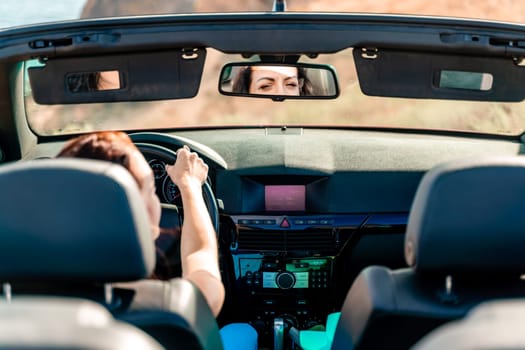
22	12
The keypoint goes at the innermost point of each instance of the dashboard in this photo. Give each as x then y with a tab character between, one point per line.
302	211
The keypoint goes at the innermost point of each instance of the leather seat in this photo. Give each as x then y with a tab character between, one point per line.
74	227
490	325
464	245
66	323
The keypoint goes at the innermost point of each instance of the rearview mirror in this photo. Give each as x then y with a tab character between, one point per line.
279	81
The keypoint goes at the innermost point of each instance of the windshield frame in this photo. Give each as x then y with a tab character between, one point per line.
120	35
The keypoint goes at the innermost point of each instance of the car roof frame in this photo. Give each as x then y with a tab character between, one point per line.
263	33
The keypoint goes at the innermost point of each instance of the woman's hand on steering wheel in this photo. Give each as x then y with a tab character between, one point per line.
189	170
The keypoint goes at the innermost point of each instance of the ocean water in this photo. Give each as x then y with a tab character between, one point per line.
20	12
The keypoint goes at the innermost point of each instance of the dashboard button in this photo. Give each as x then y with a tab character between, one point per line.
285	223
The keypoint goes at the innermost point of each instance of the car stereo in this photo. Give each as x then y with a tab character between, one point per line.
280	273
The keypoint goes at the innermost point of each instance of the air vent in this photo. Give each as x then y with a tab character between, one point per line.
312	241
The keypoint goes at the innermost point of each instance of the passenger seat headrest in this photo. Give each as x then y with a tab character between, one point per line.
468	217
74	220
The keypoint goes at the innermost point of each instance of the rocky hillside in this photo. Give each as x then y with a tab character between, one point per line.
507	10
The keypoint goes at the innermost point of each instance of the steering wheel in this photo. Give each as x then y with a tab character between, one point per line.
152	151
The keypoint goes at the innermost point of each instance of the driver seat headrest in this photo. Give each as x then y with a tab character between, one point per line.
73	220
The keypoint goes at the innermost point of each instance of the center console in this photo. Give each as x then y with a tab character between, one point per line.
286	267
294	247
285	253
295	289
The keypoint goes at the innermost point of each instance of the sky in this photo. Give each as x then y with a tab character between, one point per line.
20	12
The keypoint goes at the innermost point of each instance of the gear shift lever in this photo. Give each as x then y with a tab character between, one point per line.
278	333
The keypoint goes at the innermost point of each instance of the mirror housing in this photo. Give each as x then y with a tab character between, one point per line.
279	81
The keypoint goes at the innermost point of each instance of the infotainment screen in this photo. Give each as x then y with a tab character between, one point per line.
285	197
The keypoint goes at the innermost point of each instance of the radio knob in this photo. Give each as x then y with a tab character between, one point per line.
285	280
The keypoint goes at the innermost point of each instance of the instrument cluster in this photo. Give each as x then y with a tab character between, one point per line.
167	191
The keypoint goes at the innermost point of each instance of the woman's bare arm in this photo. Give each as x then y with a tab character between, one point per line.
199	250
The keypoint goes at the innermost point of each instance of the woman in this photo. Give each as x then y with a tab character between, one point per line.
199	251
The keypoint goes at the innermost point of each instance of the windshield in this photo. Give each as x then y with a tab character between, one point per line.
211	109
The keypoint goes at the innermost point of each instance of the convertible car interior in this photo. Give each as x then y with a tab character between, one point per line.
366	178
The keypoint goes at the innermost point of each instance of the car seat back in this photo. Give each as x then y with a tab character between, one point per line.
463	244
74	228
491	325
65	323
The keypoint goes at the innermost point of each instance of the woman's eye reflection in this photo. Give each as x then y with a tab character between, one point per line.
272	80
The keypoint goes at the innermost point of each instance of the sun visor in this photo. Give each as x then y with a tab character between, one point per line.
439	76
124	77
